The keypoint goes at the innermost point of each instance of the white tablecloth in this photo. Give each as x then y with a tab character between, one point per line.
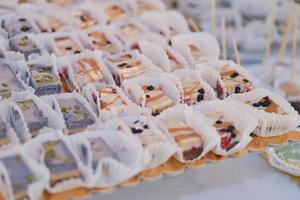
246	178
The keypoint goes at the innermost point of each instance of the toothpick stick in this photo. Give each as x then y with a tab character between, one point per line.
294	43
236	51
213	17
270	33
283	45
193	25
224	38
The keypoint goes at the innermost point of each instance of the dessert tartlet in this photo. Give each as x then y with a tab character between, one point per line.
25	44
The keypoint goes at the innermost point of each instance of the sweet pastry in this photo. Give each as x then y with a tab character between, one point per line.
77	117
109	97
186	138
65	46
44	79
235	81
115	12
83	19
193	91
230	136
20	176
156	99
87	70
100	41
3	133
17	24
25	44
60	162
267	104
33	116
127	67
9	81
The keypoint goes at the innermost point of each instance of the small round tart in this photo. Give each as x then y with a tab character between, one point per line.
286	158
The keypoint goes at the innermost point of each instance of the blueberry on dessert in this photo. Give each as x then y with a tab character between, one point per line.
109	98
193	91
65	46
156	99
60	161
100	41
17	24
235	82
186	138
87	70
33	116
230	136
115	12
20	176
8	81
44	79
77	117
142	130
83	19
24	44
3	133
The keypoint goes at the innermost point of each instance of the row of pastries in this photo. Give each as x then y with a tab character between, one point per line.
94	101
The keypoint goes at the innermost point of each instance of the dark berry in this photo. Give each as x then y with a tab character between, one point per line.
82	18
136	131
230	128
237	89
147	96
265	103
68	48
76	52
137	121
201	91
108	42
233	135
246	80
235	74
145	126
200	97
170	42
122	65
256	105
114	91
266	98
150	87
25	28
219	122
53	29
22	19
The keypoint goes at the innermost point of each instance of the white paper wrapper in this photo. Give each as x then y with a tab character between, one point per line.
220	64
35	150
195	74
6	116
111	171
176	21
155	153
55	121
51	100
145	62
109	34
208	46
269	124
133	88
195	121
91	94
158	53
243	122
66	62
282	165
213	78
36	188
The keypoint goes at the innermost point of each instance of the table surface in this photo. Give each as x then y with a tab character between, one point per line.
247	178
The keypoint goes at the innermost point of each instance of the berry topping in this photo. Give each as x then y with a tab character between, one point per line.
235	74
146	126
200	97
150	87
147	96
246	80
219	122
136	131
201	91
255	105
237	89
25	28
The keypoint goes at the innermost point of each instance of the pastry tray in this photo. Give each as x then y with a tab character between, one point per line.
172	166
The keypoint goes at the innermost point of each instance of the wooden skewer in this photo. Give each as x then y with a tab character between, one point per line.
224	38
294	43
283	45
193	25
213	17
236	51
270	33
